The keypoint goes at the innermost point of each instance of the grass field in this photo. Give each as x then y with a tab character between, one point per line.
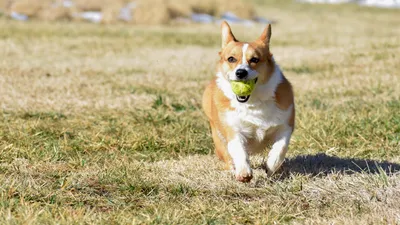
103	125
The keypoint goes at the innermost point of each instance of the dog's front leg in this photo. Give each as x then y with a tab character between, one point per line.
237	150
279	149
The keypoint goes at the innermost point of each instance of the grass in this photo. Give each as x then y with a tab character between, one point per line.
103	124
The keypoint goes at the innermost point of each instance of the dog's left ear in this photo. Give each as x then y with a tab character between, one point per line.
266	35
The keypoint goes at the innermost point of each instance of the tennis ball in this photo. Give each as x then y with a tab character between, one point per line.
243	87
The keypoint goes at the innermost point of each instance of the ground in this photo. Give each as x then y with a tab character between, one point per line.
102	124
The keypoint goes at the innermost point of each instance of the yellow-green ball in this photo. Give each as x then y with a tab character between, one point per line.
243	88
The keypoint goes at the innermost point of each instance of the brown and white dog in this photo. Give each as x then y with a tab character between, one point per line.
242	125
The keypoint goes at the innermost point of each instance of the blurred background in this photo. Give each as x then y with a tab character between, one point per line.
135	12
151	11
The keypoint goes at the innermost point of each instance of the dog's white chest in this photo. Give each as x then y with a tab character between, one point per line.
255	120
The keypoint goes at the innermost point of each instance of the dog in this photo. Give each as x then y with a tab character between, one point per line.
244	125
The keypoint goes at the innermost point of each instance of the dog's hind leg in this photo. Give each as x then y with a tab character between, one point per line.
220	148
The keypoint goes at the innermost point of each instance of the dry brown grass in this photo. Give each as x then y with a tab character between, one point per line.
101	124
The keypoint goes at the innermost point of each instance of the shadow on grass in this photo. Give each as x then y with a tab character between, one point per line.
322	164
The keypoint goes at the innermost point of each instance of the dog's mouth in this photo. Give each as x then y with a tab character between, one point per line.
243	99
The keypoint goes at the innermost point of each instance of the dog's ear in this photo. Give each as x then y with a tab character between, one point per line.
266	35
227	35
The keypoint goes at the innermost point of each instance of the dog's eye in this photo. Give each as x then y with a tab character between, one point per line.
254	60
231	59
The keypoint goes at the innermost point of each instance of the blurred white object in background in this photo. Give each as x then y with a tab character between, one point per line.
202	18
372	3
19	16
327	1
91	16
381	3
125	13
67	3
232	18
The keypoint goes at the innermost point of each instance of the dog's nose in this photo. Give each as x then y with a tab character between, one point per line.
241	73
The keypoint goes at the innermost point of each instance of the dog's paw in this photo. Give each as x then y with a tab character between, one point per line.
273	163
272	169
269	172
244	174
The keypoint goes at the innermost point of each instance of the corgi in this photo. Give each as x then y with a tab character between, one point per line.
244	125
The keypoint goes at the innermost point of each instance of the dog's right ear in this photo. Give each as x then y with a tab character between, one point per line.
227	35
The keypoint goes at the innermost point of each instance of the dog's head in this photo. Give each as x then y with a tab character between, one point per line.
246	60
